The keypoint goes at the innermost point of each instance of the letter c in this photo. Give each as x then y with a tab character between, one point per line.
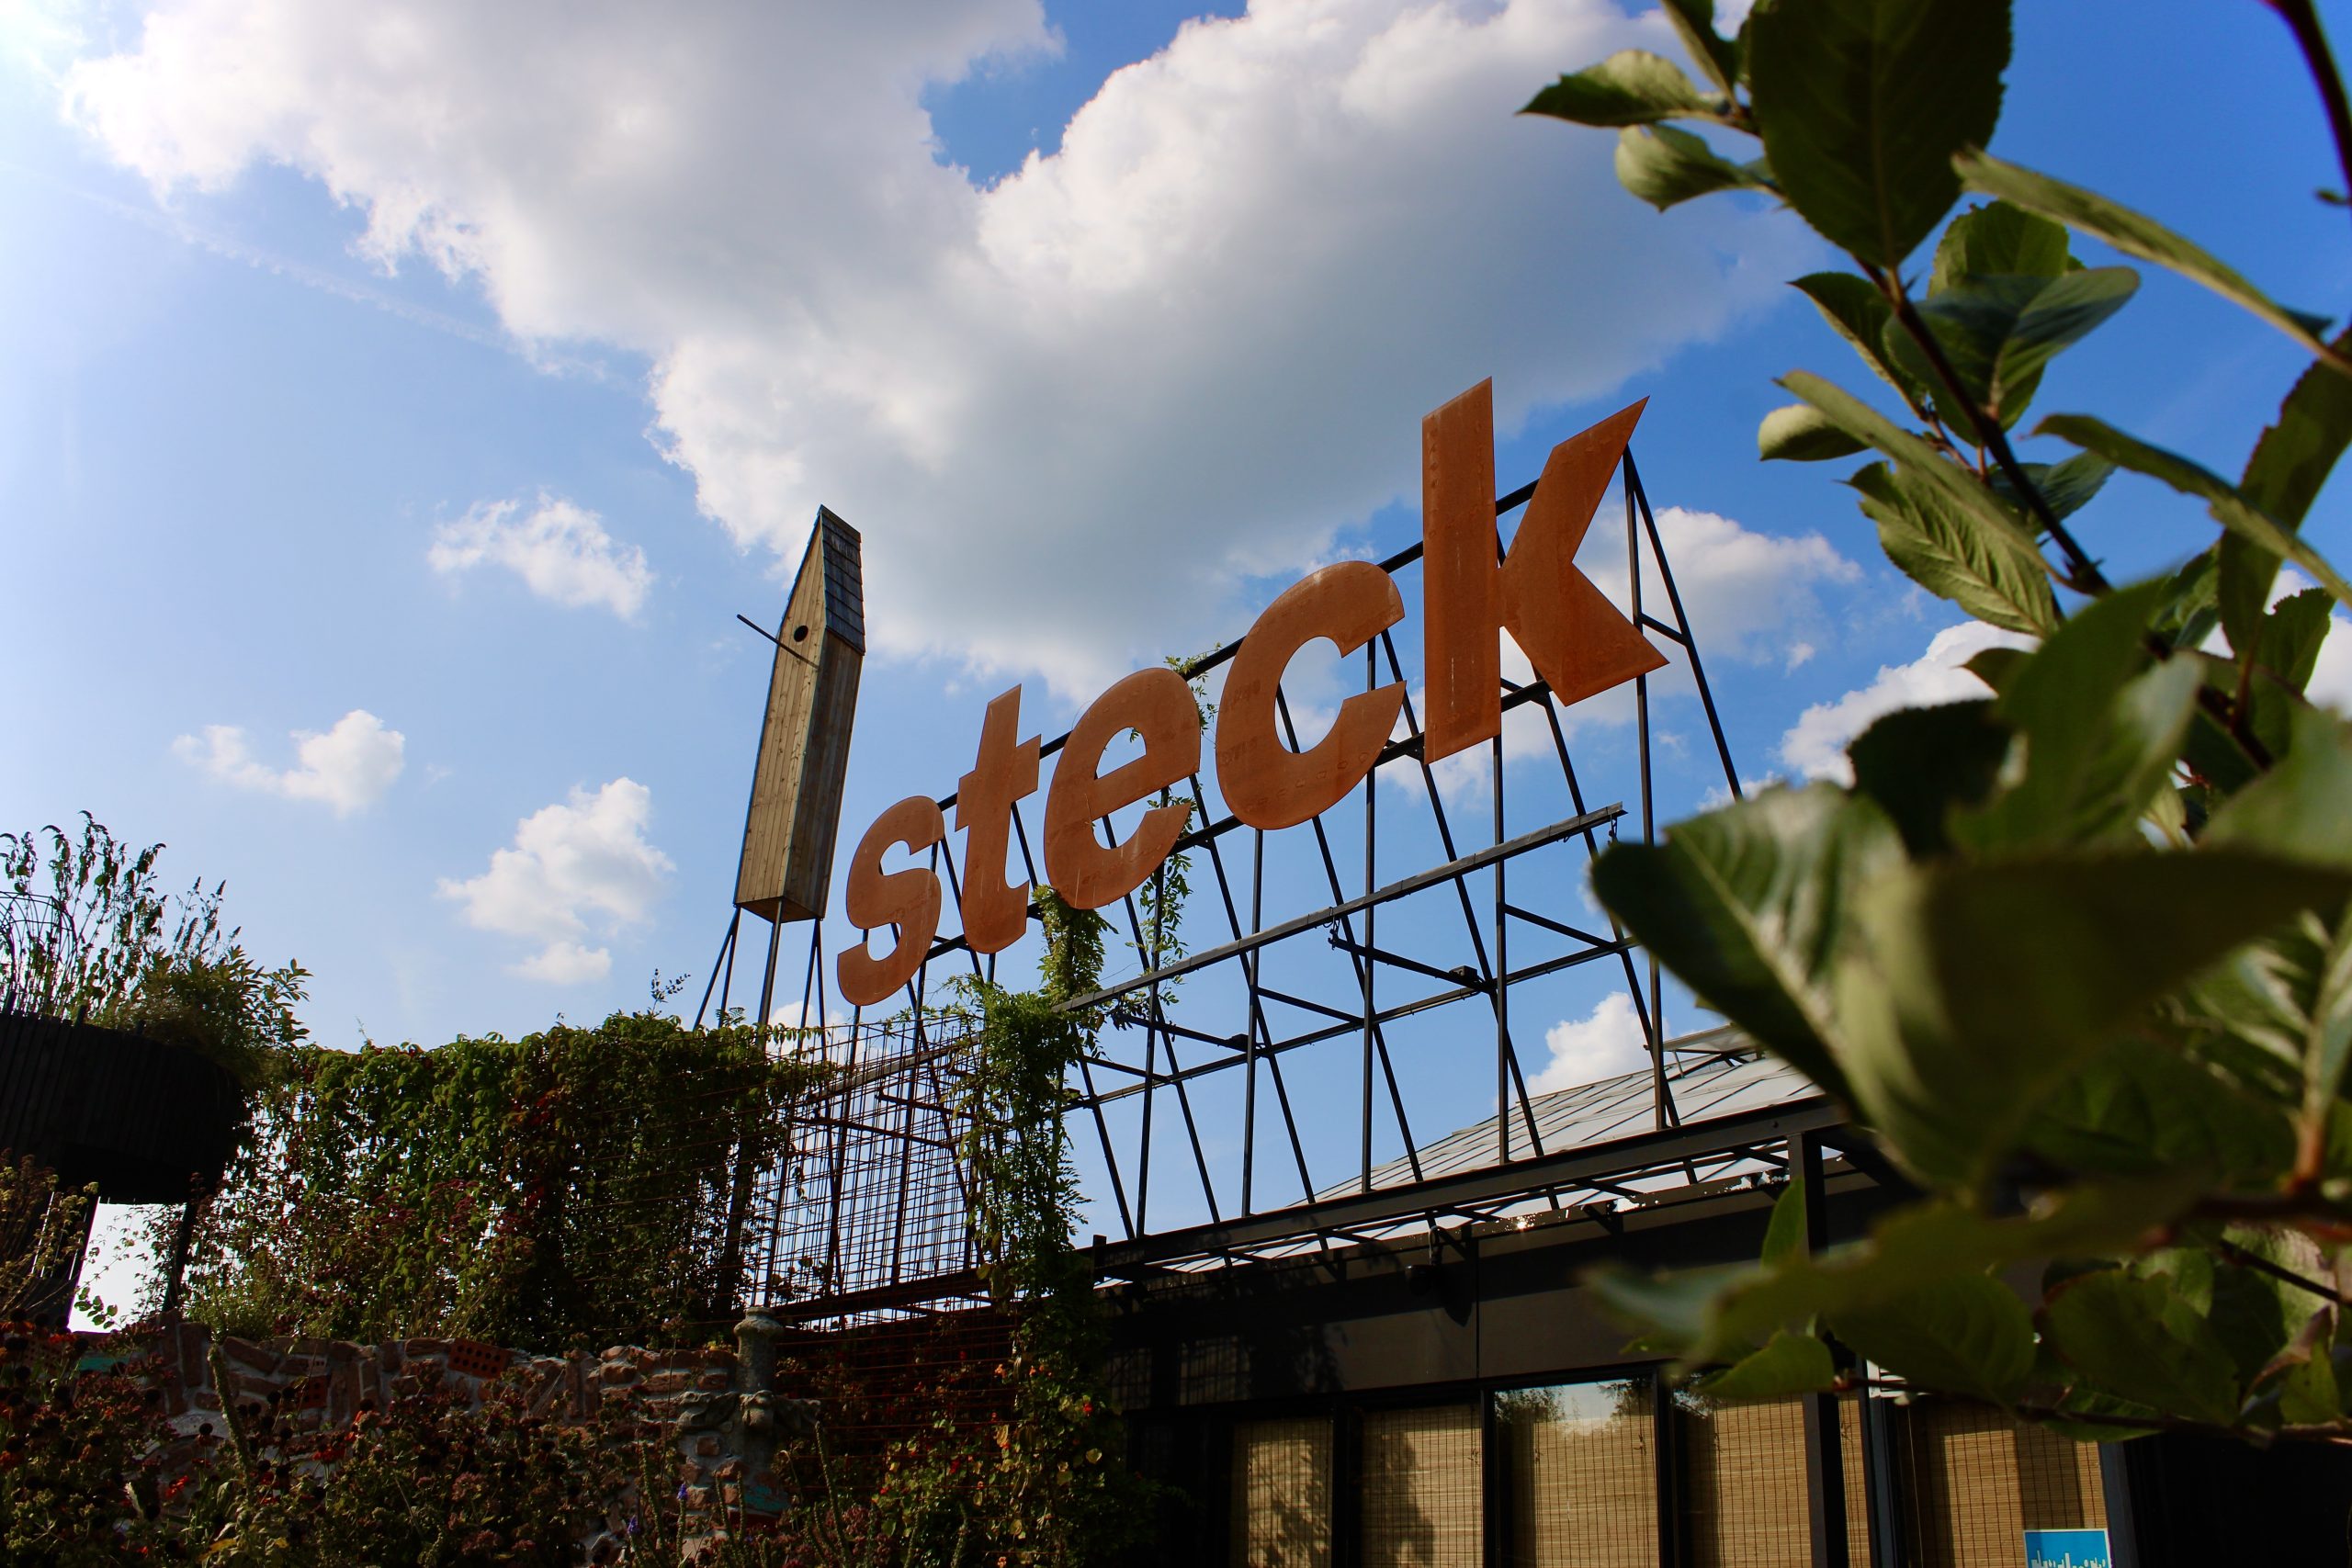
1265	783
908	900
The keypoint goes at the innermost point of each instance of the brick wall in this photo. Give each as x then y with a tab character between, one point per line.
714	1409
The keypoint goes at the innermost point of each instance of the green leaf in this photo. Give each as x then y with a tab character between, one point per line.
1666	167
2292	637
1968	1334
1989	569
2101	738
2310	1392
1862	104
2133	1338
2141	1108
1978	988
1999	239
1631	87
1746	906
2066	487
2089	213
1719	1313
2289	464
1789	1363
2229	508
1917	763
1916	457
2290	995
1860	312
1784	1235
2297	809
2309	1395
1998	333
1694	22
1675	1310
2188	612
2249	1312
1799	434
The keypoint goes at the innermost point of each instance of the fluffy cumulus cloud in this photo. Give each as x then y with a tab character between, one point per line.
1751	596
561	550
1604	1043
576	869
1183	348
347	768
1815	747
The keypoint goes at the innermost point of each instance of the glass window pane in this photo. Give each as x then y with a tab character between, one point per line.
1423	1488
1582	1471
1281	1494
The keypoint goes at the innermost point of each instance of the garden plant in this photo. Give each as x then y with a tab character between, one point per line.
2076	954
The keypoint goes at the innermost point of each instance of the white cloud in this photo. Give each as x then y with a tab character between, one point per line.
1815	747
1748	594
1179	350
574	863
566	963
349	767
559	549
1604	1043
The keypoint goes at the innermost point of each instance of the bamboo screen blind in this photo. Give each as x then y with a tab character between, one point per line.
1744	1498
1582	1460
1423	1493
1281	1494
1976	1481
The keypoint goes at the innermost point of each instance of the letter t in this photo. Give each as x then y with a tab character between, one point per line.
995	912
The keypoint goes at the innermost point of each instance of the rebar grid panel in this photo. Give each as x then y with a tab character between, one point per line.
868	1192
1324	1033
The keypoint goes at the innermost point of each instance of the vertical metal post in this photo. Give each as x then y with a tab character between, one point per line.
1371	938
1249	1031
767	982
1882	1481
1502	984
1665	1447
175	1269
1682	622
725	955
1825	1470
1649	813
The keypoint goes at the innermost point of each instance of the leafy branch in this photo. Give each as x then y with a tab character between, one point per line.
2077	954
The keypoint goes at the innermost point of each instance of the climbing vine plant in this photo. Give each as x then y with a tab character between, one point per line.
567	1189
1049	1486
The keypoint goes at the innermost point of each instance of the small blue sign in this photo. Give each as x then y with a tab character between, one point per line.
2066	1549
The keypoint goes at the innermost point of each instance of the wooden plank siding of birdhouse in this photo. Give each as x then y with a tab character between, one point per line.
795	806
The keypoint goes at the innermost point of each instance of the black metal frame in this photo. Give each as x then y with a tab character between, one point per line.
1157	1062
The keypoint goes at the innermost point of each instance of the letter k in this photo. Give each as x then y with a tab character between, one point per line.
1578	642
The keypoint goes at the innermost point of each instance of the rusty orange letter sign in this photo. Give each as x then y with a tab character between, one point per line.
1578	642
1577	639
1157	704
995	911
1264	782
908	900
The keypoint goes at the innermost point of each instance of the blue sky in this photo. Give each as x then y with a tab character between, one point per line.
441	380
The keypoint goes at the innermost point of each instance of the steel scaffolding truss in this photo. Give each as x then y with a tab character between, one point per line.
865	1213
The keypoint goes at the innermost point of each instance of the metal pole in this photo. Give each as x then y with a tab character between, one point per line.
1825	1471
1502	970
1364	968
1649	813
